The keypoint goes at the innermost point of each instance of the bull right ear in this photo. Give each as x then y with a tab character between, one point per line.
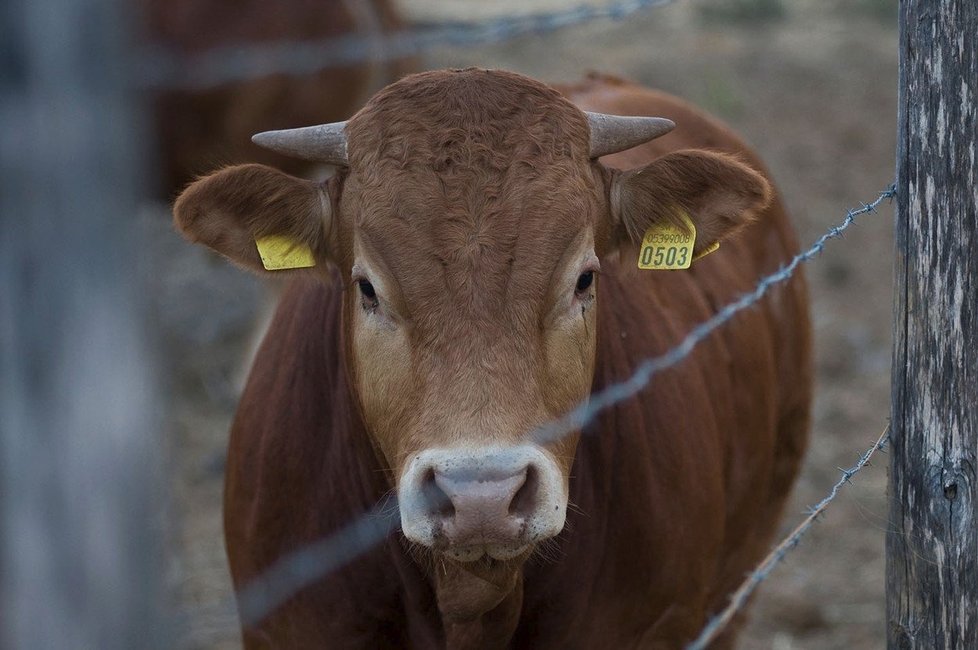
718	193
229	210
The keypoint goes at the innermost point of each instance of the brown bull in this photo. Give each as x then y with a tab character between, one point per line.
477	278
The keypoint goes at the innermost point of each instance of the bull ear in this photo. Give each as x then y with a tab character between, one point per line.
718	192
229	210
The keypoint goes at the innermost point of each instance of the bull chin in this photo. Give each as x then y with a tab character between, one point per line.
469	591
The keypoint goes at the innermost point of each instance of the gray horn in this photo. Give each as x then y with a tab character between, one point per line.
614	133
323	143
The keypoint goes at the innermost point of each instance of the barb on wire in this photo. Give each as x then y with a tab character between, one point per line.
312	563
740	597
166	69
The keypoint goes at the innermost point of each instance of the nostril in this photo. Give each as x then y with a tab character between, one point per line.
437	502
525	500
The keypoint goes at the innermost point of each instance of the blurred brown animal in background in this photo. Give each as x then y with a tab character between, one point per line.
198	130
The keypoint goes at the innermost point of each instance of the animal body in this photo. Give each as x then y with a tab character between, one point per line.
200	128
476	277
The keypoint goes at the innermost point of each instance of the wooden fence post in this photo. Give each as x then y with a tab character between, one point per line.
932	546
80	513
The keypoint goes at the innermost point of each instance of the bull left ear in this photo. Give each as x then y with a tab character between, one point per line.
718	192
231	209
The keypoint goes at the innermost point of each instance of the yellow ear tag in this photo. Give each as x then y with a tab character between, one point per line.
666	246
279	252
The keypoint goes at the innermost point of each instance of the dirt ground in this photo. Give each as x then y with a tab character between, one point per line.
813	87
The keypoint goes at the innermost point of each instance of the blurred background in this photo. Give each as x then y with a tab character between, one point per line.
92	155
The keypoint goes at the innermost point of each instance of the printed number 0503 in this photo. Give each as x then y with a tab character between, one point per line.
664	255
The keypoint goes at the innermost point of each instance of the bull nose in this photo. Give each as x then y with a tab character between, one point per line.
483	505
472	502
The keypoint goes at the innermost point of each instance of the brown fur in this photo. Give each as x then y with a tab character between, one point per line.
471	205
200	129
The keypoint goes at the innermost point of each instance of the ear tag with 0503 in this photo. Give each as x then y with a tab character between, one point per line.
669	247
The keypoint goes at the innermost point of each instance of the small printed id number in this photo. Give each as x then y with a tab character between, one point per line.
665	256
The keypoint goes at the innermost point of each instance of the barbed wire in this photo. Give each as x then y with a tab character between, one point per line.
739	599
295	572
301	569
162	68
581	415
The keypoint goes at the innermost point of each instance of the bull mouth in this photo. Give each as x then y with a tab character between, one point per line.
486	564
486	552
497	545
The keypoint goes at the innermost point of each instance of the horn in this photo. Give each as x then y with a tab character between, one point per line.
614	133
322	143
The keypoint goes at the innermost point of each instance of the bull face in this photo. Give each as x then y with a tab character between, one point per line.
471	316
468	223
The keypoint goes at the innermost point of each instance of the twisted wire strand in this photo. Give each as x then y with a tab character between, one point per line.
585	412
296	571
739	599
165	69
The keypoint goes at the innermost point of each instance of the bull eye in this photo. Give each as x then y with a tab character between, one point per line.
368	294
585	281
367	289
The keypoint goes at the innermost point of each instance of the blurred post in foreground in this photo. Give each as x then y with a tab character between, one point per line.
932	545
79	514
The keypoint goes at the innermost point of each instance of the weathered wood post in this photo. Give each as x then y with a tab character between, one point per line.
932	546
80	520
